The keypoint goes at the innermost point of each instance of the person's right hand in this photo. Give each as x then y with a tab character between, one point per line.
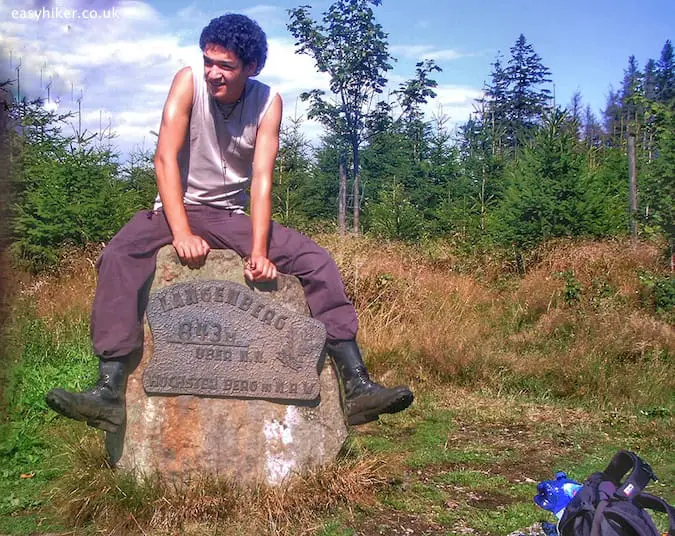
191	249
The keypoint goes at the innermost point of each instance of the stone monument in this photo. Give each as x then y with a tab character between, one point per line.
233	381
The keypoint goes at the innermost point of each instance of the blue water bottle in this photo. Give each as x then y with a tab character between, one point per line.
553	495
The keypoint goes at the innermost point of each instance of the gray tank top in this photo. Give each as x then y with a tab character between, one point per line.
216	160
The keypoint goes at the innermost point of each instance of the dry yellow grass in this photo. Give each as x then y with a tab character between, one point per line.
414	306
92	494
426	323
430	324
611	266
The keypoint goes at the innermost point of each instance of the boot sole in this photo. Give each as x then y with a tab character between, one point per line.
108	423
399	403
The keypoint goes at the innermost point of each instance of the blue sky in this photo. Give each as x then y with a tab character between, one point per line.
123	67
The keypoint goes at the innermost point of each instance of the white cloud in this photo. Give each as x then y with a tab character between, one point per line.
123	68
291	73
138	11
454	102
191	11
409	51
261	10
447	54
421	52
456	95
51	105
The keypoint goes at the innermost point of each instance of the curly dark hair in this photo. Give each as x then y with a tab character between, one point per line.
239	34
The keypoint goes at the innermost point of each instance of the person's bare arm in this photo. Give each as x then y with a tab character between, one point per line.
259	267
191	249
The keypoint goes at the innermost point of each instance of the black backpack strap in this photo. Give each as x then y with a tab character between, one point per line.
597	518
640	474
646	500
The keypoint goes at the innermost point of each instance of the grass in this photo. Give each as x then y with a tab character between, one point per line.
578	326
502	447
515	379
31	442
91	495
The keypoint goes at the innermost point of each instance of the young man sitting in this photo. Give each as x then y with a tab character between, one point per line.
218	138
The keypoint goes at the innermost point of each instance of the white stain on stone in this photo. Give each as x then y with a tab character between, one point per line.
150	411
280	457
143	449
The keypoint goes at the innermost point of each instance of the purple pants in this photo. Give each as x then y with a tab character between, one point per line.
127	265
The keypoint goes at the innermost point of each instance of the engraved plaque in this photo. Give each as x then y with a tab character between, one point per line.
220	339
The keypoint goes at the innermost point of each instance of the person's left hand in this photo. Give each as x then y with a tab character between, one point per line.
259	268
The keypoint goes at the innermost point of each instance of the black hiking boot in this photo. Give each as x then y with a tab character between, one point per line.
365	400
102	406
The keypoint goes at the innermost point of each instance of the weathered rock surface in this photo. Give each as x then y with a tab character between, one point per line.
219	338
251	440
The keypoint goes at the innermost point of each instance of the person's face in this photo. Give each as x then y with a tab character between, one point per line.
225	74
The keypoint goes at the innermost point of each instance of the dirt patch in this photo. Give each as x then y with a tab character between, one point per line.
386	522
492	500
480	498
520	449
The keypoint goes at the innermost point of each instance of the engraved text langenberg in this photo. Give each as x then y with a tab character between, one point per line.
219	338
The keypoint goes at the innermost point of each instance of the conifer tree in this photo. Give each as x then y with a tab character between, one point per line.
68	191
613	119
322	191
528	98
292	171
666	73
394	216
650	80
657	193
591	129
631	88
552	191
495	111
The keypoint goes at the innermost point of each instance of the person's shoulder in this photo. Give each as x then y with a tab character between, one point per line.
185	73
260	88
183	89
258	85
263	95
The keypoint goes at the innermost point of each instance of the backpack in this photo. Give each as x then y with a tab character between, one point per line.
605	506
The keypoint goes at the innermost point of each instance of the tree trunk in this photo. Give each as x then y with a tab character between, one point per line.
288	205
483	207
357	197
632	178
342	198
